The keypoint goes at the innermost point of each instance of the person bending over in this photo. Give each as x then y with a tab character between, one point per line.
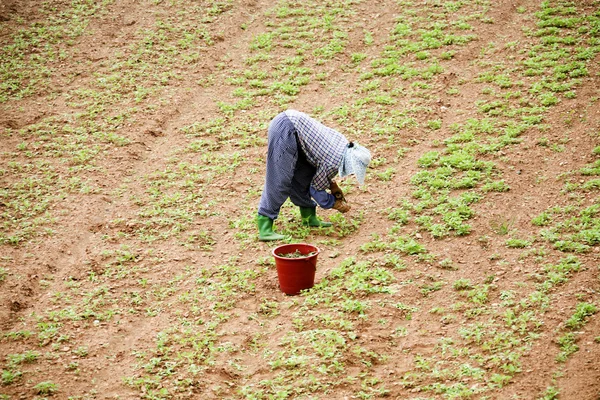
303	158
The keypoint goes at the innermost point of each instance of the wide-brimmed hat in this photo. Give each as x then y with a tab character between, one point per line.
355	160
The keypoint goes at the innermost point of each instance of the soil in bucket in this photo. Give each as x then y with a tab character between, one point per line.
296	266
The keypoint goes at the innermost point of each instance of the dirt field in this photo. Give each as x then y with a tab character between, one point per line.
133	141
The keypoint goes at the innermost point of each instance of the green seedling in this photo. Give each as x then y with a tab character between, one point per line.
46	388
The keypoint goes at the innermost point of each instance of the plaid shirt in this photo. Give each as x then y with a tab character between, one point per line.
323	147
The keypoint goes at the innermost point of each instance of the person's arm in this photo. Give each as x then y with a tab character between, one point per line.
340	203
323	199
336	191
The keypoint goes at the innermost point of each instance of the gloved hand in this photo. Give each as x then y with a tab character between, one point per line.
336	191
341	206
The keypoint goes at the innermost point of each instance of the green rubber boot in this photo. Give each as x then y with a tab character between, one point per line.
309	218
265	229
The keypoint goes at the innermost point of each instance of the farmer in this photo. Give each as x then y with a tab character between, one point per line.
303	158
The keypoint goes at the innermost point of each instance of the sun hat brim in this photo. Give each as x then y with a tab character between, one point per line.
355	161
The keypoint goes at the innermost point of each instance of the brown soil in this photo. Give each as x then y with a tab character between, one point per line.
41	267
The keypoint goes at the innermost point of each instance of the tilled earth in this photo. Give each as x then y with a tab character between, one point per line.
133	147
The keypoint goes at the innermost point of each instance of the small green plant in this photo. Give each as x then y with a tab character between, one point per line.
394	261
81	351
46	388
73	366
582	312
399	215
542	220
427	289
434	124
269	308
386	175
448	55
23	358
567	346
10	376
501	226
447	264
358	57
422	55
551	393
407	310
463	284
498	186
515	243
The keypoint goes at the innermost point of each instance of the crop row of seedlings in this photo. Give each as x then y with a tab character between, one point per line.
320	354
55	157
297	36
160	379
167	208
30	59
485	354
326	340
573	229
55	160
297	29
27	68
298	41
326	350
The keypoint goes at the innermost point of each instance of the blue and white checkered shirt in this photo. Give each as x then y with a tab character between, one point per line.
323	146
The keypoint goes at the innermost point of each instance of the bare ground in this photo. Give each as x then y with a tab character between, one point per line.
89	225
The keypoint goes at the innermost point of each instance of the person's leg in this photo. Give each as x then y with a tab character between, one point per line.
300	194
300	185
282	156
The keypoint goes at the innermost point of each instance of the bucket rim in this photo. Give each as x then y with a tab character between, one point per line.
276	249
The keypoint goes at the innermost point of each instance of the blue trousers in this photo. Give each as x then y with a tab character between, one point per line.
289	174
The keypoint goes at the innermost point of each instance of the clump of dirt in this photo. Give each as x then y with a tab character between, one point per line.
296	254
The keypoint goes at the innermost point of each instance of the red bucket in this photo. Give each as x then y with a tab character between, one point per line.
296	266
